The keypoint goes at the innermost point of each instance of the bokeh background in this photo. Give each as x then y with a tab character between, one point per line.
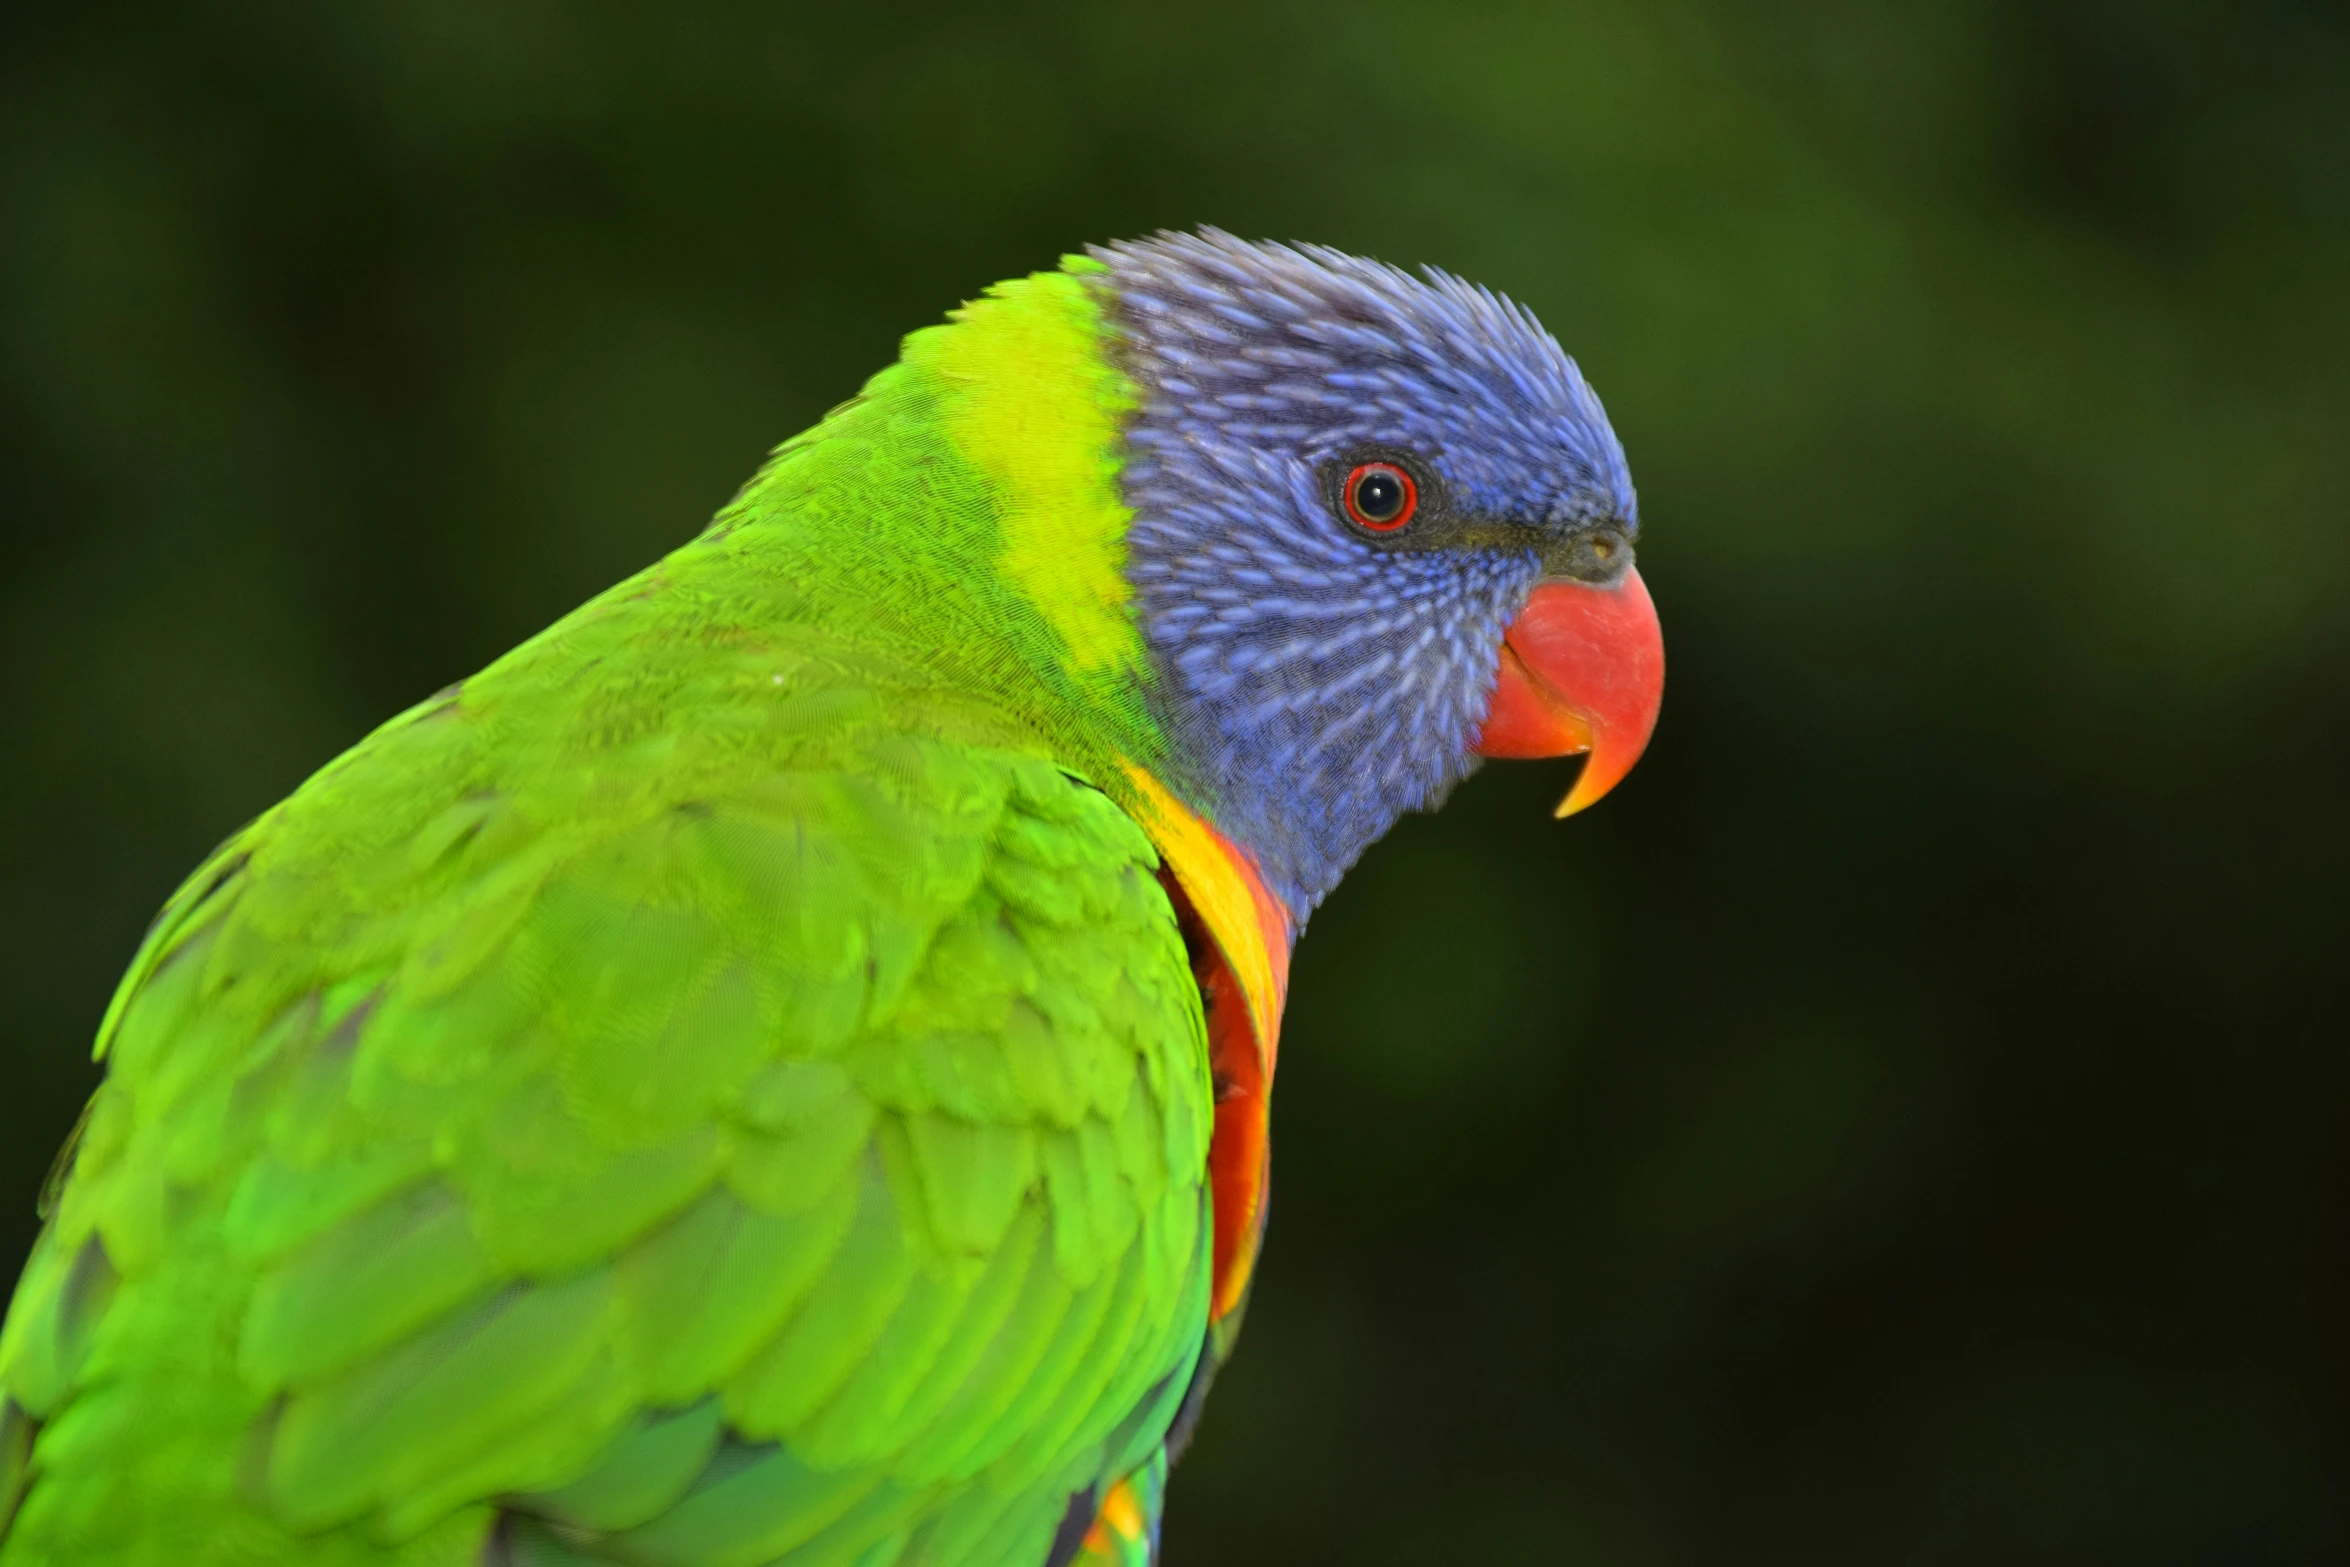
1905	1124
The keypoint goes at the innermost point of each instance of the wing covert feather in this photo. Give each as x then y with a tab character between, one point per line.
728	1156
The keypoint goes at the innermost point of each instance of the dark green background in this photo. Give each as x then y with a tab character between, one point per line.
1905	1124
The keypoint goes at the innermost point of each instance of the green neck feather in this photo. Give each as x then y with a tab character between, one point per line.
964	510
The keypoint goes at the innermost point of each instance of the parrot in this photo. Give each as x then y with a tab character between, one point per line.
775	1069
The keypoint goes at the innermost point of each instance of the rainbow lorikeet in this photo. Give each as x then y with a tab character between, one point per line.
775	1068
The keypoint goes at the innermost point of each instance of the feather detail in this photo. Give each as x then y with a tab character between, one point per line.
1243	971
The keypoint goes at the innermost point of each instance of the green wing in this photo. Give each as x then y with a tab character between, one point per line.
565	1130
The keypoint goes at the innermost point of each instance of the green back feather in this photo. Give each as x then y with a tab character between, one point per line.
719	1085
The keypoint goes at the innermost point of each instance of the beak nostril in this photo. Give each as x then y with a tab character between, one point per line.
1596	554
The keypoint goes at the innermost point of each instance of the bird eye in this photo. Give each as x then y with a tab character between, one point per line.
1381	497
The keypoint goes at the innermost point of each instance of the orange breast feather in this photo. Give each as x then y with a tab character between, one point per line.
1240	938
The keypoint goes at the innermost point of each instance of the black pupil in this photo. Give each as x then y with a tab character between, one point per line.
1379	496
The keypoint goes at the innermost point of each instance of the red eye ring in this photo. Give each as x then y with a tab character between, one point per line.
1380	496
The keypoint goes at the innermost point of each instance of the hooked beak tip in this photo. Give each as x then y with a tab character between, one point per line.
1582	670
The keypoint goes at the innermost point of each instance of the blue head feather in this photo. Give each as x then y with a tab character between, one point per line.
1317	683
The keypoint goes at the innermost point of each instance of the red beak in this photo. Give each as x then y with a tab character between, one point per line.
1582	669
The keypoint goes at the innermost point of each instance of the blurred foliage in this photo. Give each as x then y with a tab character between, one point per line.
1905	1124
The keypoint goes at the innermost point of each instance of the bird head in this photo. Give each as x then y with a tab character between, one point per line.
1381	531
